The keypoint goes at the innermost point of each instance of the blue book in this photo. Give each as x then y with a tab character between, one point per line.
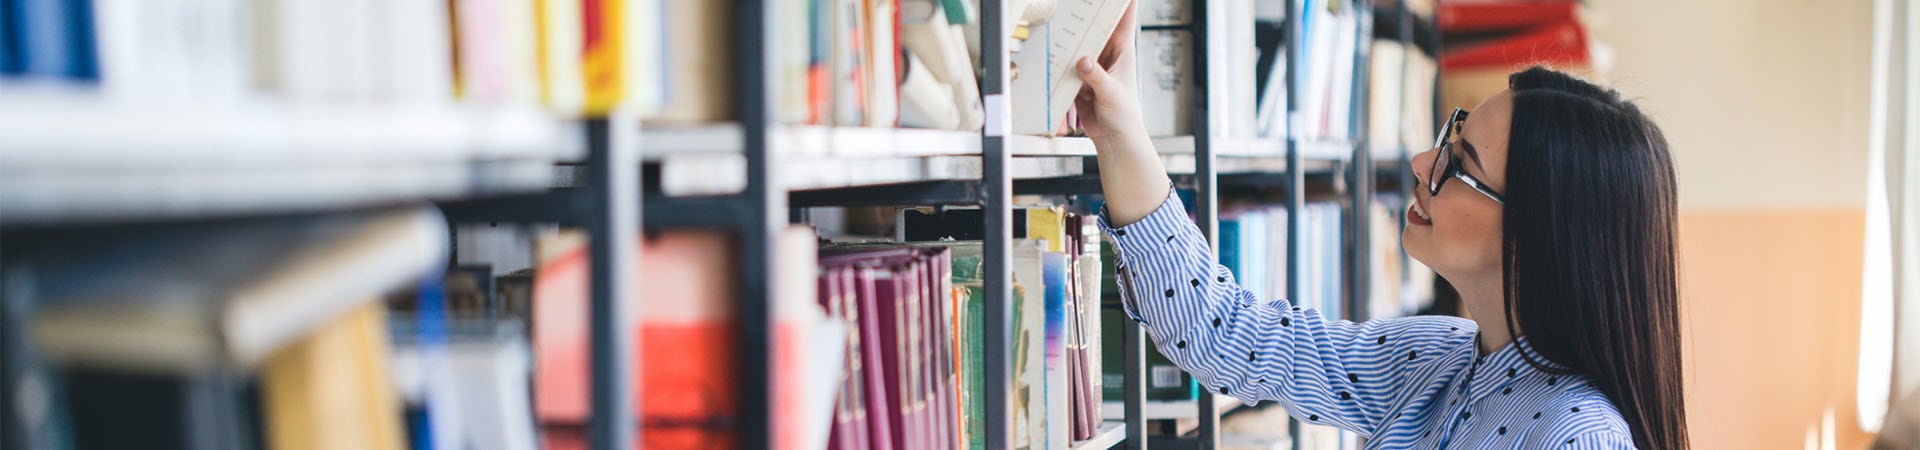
1253	253
11	62
1230	246
56	39
1053	269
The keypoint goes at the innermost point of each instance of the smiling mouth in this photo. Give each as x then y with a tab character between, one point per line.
1417	214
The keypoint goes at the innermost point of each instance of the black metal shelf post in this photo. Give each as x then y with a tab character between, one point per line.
612	219
997	187
762	222
1360	174
1206	199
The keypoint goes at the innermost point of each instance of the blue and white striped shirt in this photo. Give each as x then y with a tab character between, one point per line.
1415	382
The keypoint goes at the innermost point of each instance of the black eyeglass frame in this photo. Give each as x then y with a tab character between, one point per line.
1443	166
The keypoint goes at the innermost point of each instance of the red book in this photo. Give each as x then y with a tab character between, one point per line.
685	384
882	412
1560	43
1503	15
944	406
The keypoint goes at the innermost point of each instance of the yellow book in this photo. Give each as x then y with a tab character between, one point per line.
332	389
1048	223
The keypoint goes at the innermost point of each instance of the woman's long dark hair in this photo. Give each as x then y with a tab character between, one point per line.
1589	247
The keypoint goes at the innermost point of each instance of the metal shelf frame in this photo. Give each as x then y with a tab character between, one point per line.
612	203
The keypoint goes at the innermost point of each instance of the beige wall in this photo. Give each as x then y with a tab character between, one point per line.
1764	101
1765	105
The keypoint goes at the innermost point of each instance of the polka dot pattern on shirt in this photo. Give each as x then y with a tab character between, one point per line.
1416	382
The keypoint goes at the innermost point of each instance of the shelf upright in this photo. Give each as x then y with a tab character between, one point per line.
1206	199
1360	172
996	187
1296	180
612	217
763	215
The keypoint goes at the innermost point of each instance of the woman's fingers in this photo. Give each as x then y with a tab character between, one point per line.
1094	76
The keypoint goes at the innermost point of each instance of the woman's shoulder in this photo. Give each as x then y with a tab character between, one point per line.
1581	417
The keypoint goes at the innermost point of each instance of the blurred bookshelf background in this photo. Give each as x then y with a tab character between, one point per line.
796	224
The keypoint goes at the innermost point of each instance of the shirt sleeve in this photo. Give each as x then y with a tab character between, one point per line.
1337	373
1597	440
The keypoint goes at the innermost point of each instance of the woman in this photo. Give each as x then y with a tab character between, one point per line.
1550	207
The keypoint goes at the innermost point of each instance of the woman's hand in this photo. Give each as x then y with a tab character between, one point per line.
1109	101
1131	175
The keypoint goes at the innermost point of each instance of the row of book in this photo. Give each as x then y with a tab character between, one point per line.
1401	101
1247	64
571	55
888	330
1253	246
260	333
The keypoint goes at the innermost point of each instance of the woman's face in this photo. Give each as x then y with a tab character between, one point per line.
1459	233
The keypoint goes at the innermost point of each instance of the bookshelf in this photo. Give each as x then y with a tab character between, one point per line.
612	176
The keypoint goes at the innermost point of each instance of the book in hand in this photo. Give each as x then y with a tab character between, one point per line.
185	298
1043	67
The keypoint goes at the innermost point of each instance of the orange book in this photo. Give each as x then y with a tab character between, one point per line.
686	381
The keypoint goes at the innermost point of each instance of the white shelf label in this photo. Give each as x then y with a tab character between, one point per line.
998	119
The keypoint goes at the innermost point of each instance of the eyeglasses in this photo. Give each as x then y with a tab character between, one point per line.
1443	164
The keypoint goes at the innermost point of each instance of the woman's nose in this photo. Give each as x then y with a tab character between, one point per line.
1421	162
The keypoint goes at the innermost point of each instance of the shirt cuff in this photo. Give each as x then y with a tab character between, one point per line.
1146	235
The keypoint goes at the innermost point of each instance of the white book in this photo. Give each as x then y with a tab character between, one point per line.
1166	81
1030	406
1164	12
883	94
304	50
924	101
646	56
496	47
1340	112
411	51
1243	57
1418	108
1027	88
562	35
1387	67
1076	29
940	45
490	380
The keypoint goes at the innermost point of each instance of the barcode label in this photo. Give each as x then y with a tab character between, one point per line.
1165	377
